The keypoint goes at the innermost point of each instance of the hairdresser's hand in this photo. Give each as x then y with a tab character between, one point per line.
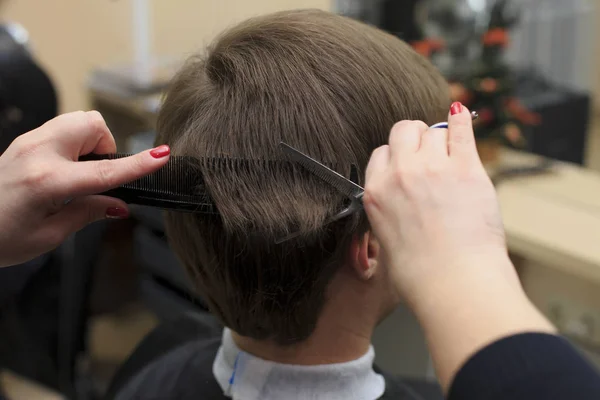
435	212
431	202
45	194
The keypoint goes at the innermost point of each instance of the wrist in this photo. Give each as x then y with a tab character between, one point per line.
483	299
455	279
471	307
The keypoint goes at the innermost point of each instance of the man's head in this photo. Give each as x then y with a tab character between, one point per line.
327	85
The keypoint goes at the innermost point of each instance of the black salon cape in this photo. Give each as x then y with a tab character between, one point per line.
186	374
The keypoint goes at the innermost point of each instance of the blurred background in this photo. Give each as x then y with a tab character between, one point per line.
70	321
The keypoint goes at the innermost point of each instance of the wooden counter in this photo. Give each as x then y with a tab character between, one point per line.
554	219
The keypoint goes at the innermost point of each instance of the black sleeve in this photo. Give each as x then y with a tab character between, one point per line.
527	367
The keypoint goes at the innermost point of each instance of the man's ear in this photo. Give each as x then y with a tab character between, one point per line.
365	255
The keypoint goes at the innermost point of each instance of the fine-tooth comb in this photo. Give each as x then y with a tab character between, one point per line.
180	186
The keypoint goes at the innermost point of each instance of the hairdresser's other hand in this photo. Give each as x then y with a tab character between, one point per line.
45	194
431	202
436	214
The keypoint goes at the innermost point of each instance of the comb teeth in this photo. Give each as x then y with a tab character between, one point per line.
177	177
177	186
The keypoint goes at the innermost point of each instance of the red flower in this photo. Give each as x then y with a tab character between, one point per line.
427	47
496	37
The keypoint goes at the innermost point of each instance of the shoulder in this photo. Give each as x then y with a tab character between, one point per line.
181	374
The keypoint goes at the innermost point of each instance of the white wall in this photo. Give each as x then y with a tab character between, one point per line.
70	37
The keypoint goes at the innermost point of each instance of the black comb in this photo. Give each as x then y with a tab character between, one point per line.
180	185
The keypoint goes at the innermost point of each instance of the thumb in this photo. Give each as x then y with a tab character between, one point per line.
83	211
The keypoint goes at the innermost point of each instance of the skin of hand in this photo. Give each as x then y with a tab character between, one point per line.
436	215
46	194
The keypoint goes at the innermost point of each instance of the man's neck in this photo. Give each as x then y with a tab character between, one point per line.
334	346
343	332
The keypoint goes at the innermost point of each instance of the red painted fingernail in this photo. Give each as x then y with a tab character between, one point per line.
117	213
160	151
456	108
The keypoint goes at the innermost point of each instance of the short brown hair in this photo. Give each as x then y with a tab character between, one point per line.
328	85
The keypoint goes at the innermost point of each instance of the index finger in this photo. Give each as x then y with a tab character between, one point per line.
461	138
93	177
405	139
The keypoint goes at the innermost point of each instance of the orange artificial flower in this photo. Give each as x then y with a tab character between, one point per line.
496	37
427	47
